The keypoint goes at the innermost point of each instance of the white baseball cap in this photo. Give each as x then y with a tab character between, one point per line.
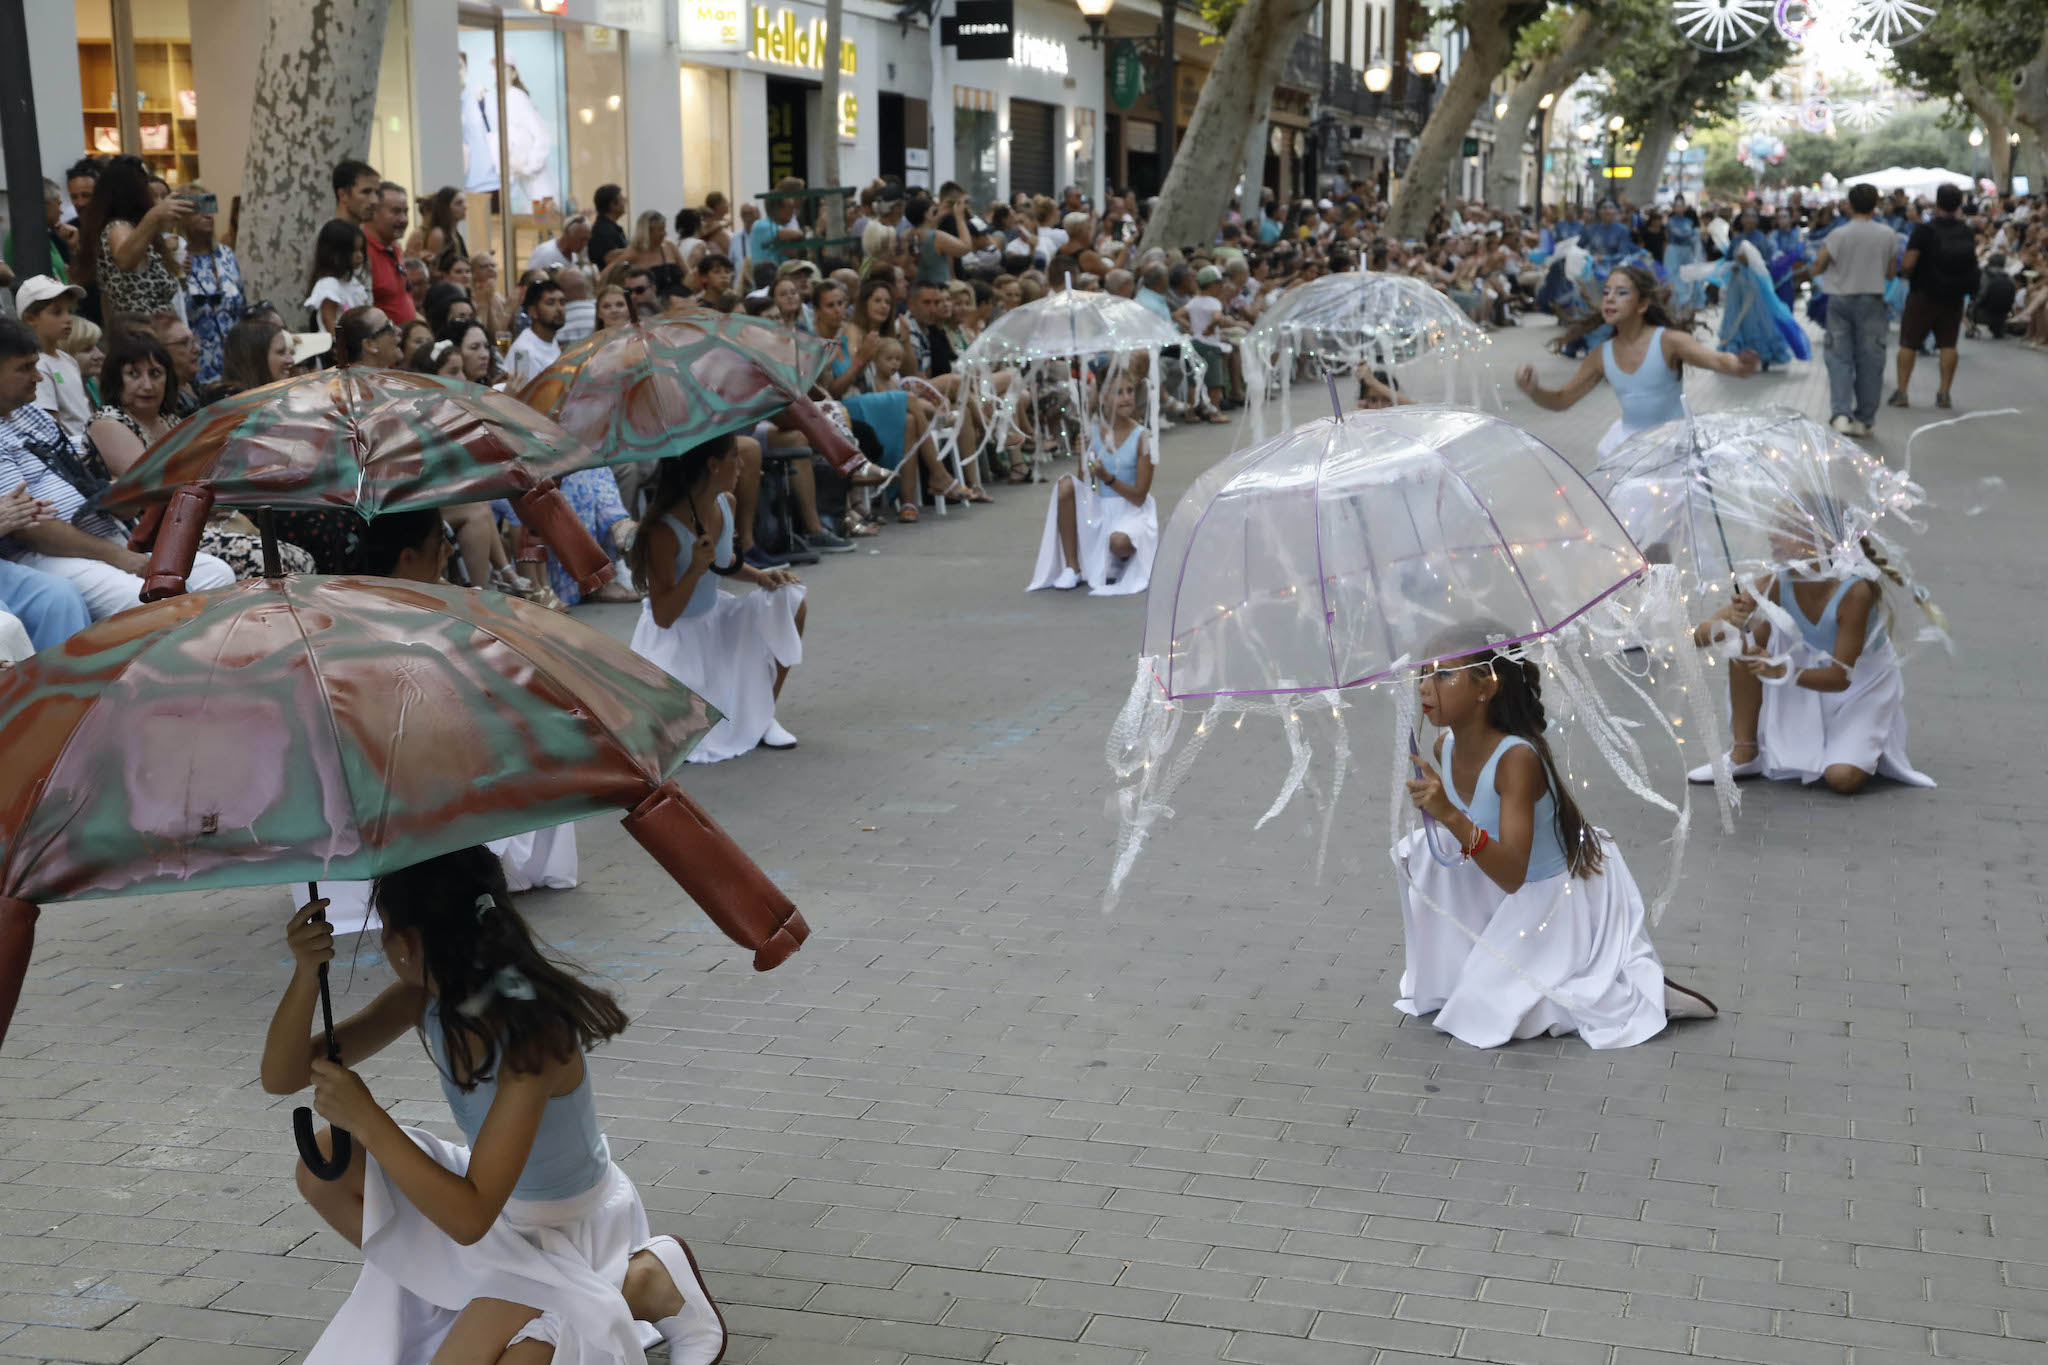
1324	204
306	345
41	289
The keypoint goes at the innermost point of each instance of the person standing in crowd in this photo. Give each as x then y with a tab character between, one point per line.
1854	262
536	348
62	236
606	236
79	180
355	201
651	250
768	239
338	257
45	306
383	233
565	249
1941	269
440	229
127	241
213	286
86	548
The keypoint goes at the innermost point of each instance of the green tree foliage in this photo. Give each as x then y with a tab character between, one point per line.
1924	135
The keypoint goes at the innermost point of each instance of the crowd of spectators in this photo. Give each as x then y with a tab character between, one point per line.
142	319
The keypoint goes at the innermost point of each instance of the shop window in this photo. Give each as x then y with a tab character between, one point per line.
707	132
159	85
1032	168
975	138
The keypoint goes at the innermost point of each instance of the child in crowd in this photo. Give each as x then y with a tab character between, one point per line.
527	1244
733	649
1104	533
46	305
1537	926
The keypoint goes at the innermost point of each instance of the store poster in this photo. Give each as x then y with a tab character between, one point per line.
535	109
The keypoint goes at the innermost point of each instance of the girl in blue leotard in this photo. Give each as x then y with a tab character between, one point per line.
1643	360
1529	921
526	1244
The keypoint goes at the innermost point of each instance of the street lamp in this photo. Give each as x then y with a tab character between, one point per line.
1976	137
1547	100
1095	12
1377	77
1587	132
1500	108
1425	61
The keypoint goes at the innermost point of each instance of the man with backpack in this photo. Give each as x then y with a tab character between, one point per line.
1941	265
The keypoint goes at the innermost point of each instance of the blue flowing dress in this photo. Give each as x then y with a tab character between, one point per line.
1754	318
887	413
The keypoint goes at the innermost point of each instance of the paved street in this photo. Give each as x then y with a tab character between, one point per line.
977	1120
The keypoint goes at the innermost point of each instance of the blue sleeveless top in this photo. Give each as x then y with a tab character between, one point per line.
1546	855
1123	461
570	1154
705	595
1821	634
1649	396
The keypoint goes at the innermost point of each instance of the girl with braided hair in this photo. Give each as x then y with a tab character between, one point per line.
1537	925
1821	695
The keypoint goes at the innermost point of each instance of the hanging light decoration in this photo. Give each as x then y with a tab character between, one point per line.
1721	25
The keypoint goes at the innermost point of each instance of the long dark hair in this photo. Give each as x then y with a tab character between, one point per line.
245	354
1658	309
334	251
439	211
458	332
677	480
1517	709
474	946
120	195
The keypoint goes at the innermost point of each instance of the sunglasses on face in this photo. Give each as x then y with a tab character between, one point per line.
387	330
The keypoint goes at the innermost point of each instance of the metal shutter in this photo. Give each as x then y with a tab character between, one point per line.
1031	155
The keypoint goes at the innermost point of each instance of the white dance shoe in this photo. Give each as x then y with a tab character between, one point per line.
1750	767
1069	578
775	737
1682	1002
695	1336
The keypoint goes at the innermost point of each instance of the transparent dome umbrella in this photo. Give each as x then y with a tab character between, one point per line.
1718	494
1423	341
657	388
1339	554
1057	349
362	439
296	729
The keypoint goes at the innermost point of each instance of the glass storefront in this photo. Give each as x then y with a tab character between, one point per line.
144	72
975	140
538	141
707	132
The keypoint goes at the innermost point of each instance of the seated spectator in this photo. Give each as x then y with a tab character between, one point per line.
537	346
364	336
37	609
87	549
179	343
45	304
564	249
446	302
579	308
82	344
1992	306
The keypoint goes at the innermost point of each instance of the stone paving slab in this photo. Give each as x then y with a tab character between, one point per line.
977	1120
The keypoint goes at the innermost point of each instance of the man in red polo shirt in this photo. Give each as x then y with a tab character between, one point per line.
382	235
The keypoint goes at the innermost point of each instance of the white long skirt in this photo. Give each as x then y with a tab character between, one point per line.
1803	733
566	1257
1561	955
728	656
1098	515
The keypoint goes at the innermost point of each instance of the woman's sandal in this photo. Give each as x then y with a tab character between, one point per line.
906	513
868	474
954	493
977	494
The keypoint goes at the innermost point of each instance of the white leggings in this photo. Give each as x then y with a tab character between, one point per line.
107	589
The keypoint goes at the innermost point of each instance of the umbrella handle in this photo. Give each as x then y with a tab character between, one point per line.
322	1166
177	542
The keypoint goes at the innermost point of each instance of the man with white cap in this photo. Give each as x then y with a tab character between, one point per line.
46	305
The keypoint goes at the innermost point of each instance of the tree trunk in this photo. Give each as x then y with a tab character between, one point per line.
1491	28
1649	168
1253	177
828	97
2030	107
316	93
1550	74
1994	111
1209	159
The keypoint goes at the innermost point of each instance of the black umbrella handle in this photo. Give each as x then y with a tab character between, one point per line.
322	1166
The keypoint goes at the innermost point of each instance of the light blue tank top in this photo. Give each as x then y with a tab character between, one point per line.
1546	855
570	1154
1821	634
1123	461
1650	396
705	595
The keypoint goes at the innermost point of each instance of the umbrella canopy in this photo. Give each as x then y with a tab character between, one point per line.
1362	315
370	440
654	388
1332	554
1731	493
1911	179
1069	323
300	729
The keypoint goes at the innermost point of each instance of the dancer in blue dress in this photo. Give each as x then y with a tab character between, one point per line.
1643	361
1753	317
1681	249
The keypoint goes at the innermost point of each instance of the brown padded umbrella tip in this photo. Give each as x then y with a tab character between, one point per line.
17	940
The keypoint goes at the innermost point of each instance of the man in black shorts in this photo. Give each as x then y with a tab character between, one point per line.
1941	263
